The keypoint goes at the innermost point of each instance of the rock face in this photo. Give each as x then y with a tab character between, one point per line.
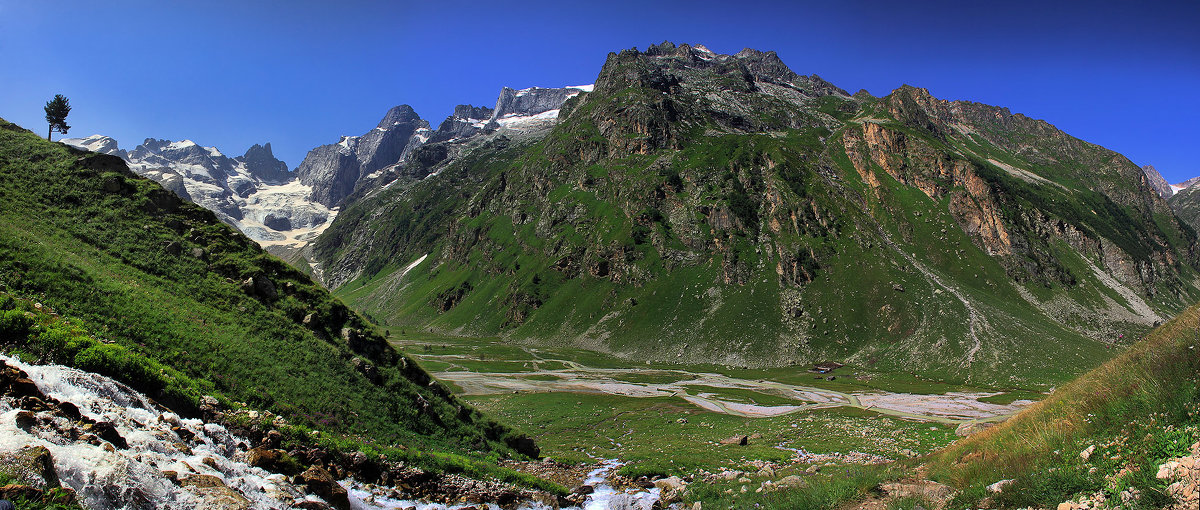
843	224
1156	181
261	163
254	193
333	170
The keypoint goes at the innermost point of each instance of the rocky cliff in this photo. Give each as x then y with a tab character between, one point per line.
733	211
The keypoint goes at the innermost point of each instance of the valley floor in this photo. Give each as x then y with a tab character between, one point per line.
582	406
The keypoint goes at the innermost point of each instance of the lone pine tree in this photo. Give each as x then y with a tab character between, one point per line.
56	114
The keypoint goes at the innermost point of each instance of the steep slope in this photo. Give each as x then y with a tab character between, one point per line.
1186	204
161	283
1114	426
702	208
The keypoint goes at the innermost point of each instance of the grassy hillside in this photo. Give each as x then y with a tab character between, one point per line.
107	271
702	209
1137	410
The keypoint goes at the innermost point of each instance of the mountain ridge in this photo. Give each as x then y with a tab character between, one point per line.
755	184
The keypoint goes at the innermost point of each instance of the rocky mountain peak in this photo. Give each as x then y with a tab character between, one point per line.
1156	181
466	111
402	114
261	163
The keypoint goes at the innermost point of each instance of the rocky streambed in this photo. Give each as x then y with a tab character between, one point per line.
72	436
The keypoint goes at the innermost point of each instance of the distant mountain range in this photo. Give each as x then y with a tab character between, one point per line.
283	210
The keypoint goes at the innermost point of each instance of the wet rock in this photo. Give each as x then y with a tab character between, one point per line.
26	420
30	466
108	432
265	458
320	482
69	410
214	493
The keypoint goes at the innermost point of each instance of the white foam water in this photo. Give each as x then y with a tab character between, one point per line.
106	478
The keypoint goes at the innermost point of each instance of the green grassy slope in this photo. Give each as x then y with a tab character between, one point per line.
153	291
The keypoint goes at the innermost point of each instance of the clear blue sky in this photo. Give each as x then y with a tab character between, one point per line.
301	73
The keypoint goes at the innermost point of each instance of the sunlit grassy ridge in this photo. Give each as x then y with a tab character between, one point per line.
152	291
1142	406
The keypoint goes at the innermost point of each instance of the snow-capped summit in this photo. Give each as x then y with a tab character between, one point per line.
254	193
531	107
96	143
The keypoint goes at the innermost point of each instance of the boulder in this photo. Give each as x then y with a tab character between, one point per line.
265	458
525	446
320	482
742	440
30	466
108	432
791	482
214	493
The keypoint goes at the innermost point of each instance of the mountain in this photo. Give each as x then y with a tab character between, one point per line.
1156	181
705	208
254	193
1186	204
107	272
386	154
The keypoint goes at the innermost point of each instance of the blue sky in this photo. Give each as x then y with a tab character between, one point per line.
302	73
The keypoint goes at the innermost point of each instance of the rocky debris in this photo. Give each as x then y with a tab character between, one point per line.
1087	453
566	475
1185	475
671	489
933	492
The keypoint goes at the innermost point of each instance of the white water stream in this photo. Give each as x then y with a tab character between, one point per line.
107	478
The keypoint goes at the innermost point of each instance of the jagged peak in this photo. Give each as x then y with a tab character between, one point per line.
398	115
